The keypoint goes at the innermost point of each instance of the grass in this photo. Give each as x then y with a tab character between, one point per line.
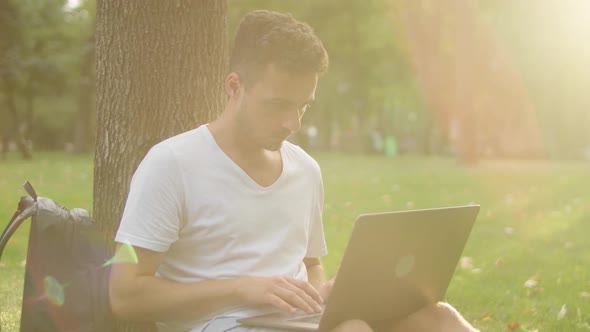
533	225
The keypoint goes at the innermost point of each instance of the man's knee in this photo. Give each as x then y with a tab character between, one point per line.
447	315
446	309
435	317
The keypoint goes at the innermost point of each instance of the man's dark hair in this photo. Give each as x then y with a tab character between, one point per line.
266	37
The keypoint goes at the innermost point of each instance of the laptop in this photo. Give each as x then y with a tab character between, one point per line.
395	263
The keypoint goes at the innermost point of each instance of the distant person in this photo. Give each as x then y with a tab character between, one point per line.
226	219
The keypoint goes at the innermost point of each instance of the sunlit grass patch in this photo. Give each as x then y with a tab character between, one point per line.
534	223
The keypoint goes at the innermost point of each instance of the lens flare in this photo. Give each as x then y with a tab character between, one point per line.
53	291
124	254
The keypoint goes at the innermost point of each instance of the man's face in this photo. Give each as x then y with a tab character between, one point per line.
270	109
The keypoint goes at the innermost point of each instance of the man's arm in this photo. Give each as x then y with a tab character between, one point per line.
317	277
315	272
136	294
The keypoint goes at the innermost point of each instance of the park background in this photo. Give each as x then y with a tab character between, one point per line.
426	103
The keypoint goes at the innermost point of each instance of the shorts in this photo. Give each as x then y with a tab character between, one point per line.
229	324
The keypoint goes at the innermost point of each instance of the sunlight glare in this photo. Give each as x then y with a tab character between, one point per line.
125	254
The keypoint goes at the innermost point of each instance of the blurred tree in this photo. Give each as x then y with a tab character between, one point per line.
470	84
82	132
160	71
548	45
40	53
10	35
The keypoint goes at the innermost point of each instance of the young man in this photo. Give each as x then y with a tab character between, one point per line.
226	219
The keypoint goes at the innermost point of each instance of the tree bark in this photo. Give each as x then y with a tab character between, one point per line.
160	70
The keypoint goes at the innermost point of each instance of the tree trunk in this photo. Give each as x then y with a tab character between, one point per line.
27	132
15	130
160	71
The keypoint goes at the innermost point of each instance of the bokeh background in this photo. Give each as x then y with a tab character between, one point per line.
471	79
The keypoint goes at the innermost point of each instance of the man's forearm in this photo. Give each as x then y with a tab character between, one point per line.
152	299
316	276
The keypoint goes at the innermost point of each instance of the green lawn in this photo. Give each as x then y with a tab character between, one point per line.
533	224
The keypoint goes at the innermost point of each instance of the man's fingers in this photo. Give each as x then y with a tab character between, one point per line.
308	288
280	303
294	297
302	290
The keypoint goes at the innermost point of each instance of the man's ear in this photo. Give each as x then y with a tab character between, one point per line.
232	84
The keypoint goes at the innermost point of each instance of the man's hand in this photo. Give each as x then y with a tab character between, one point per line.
284	293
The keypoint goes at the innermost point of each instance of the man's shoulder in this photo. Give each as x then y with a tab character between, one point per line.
181	148
300	156
191	142
185	139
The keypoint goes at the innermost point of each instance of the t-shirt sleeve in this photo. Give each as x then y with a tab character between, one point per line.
152	215
316	246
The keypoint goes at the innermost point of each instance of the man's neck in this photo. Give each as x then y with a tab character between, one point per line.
231	139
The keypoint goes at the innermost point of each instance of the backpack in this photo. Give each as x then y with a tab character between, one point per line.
66	278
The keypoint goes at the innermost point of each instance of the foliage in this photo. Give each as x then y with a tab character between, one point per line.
40	68
396	67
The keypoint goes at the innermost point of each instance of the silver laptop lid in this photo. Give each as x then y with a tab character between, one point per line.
397	262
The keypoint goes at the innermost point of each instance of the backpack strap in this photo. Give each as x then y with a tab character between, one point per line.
30	190
26	208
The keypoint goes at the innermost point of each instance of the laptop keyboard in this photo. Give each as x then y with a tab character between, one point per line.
312	319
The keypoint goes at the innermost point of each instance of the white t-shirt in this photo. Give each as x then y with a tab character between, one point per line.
191	201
